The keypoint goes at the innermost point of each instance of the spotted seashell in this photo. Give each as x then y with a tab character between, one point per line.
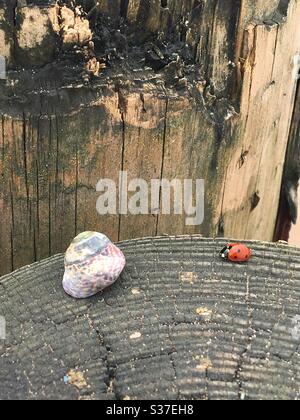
92	263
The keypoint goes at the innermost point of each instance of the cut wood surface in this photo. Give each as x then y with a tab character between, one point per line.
179	324
190	90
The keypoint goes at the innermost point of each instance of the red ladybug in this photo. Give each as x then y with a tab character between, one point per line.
236	253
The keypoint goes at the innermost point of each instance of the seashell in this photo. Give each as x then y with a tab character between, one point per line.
92	263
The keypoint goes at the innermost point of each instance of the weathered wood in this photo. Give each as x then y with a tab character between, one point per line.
287	228
6	29
220	110
252	190
179	324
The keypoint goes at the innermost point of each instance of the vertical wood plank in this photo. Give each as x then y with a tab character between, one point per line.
144	120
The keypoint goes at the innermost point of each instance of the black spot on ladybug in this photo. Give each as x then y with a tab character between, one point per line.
239	251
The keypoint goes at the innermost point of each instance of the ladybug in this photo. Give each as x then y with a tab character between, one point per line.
236	253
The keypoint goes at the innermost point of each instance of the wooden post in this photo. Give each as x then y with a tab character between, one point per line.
178	324
191	90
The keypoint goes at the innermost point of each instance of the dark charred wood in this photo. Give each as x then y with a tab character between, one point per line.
209	330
